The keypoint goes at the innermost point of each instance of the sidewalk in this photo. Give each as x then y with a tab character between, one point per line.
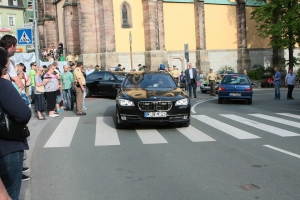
36	127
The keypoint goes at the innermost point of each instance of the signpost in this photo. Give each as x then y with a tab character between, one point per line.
186	53
24	36
28	25
130	42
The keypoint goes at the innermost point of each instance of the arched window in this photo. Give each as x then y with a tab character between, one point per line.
126	15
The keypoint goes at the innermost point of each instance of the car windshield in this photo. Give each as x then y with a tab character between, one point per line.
149	81
235	80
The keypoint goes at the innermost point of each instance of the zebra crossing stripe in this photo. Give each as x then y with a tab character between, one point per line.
150	136
283	151
63	134
194	134
289	115
261	126
230	130
106	134
278	120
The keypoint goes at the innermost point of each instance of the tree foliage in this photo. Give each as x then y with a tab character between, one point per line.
279	20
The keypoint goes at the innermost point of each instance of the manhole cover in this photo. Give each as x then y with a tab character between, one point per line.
250	187
87	122
256	166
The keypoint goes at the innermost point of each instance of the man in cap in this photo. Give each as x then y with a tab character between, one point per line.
79	87
212	77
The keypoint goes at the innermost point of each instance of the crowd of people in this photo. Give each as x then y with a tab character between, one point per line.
45	88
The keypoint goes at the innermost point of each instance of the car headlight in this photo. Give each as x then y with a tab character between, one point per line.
124	102
182	102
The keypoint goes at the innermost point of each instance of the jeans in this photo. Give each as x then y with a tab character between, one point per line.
32	92
68	96
11	166
277	91
83	105
193	85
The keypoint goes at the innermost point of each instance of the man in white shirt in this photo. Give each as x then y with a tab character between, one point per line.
9	43
290	80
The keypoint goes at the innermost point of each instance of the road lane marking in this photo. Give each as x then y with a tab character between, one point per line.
283	151
230	130
106	134
201	101
194	134
289	115
261	126
278	120
63	134
150	136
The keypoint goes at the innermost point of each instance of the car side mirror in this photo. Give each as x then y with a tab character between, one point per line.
100	78
111	79
252	83
117	86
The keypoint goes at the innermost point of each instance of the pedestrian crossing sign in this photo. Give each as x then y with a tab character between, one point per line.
24	36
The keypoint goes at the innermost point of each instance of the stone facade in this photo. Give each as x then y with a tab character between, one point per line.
217	59
243	61
86	20
89	28
202	61
107	27
47	23
71	25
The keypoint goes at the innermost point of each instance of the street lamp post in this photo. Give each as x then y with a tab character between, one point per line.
130	42
36	35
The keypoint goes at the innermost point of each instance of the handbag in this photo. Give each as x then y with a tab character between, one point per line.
11	130
28	82
40	89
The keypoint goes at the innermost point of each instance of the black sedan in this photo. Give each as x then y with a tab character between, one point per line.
101	83
151	98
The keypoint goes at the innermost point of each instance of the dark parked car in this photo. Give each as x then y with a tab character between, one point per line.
151	98
235	86
101	83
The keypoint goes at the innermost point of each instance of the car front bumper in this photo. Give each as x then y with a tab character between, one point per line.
132	115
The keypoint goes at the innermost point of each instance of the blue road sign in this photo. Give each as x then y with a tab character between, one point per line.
24	36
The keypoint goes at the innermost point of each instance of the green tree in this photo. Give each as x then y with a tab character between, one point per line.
279	20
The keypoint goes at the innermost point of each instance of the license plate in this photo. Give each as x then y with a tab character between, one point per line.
155	114
235	94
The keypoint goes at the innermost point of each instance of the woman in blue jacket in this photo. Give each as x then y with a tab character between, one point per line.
12	152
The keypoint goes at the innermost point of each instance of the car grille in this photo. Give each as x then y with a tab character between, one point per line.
155	105
146	106
163	105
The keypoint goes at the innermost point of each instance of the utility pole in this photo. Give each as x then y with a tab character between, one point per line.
36	35
130	42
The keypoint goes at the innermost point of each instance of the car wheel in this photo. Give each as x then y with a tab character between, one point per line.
87	92
220	100
203	91
249	101
118	124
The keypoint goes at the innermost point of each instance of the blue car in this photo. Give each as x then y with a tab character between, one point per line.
235	86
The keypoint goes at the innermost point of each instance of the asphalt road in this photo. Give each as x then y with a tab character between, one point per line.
230	151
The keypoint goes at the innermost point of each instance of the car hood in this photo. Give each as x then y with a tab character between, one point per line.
153	94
